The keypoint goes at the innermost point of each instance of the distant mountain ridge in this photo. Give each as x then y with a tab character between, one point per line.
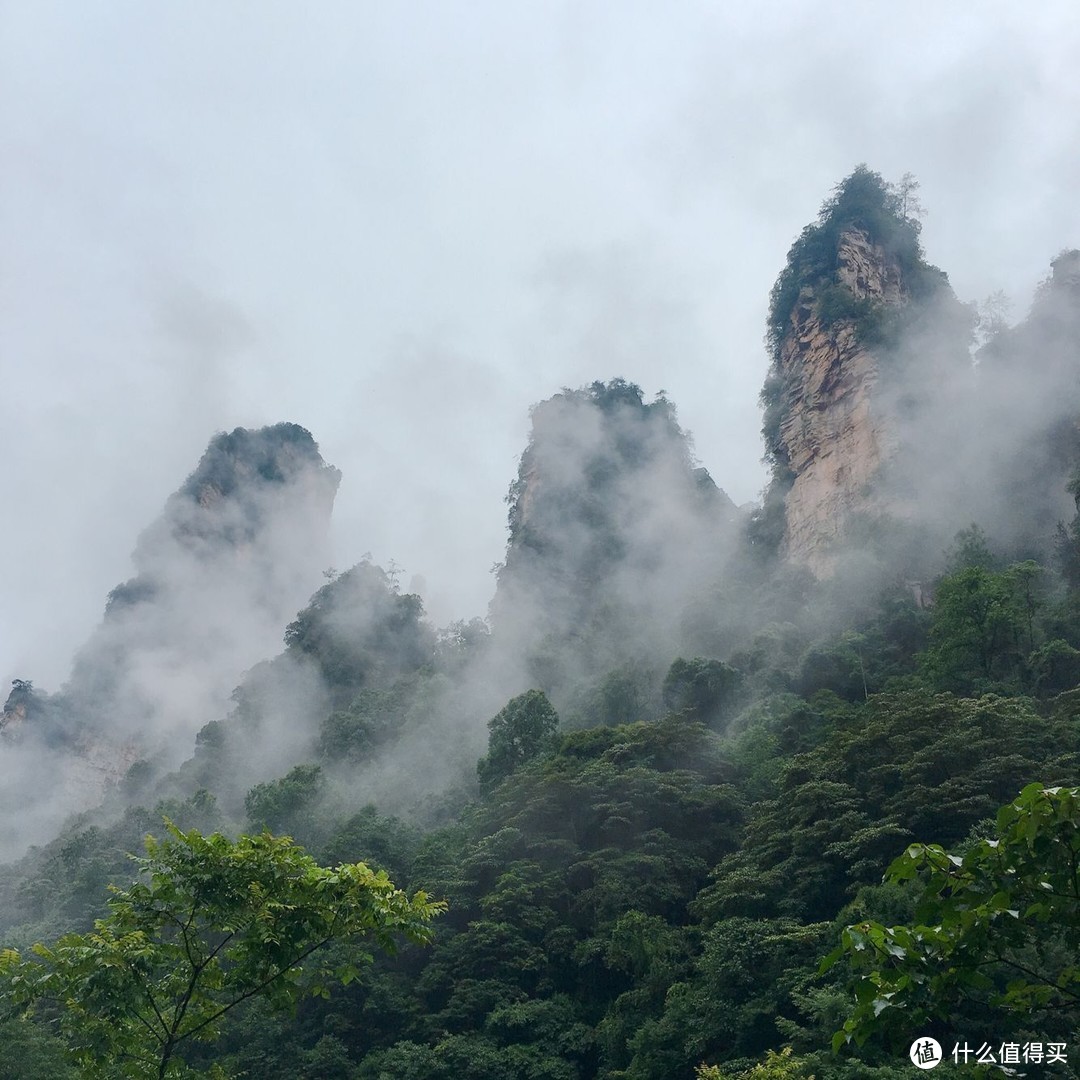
235	553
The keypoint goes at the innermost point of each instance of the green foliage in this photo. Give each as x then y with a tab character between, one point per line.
838	666
522	729
782	1066
983	628
60	887
703	688
623	696
617	393
729	1006
862	200
31	1053
211	924
999	923
576	882
903	765
232	456
1067	551
277	805
374	839
836	302
775	401
1067	540
328	1059
461	642
360	632
138	590
869	657
971	549
355	733
768	522
1054	668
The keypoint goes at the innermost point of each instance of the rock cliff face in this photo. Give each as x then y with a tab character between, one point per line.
870	369
834	437
881	431
12	718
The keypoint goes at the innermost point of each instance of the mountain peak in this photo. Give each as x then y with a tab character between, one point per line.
855	285
237	550
610	521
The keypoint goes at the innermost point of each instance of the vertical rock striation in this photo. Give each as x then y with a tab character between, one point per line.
868	347
834	437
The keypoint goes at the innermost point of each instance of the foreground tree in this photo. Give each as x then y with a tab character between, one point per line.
999	924
776	1066
210	923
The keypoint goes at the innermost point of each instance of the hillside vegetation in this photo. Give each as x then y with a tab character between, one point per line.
638	826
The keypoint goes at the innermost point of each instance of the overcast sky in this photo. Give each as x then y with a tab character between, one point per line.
402	224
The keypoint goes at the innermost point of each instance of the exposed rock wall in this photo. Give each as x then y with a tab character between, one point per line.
12	719
834	436
867	271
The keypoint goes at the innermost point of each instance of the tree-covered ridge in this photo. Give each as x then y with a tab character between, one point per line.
631	900
234	494
612	528
356	675
273	454
361	631
235	551
626	434
225	503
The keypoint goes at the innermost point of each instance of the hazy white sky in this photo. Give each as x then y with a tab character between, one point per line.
402	224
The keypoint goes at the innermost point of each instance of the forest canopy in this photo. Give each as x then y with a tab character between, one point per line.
689	803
